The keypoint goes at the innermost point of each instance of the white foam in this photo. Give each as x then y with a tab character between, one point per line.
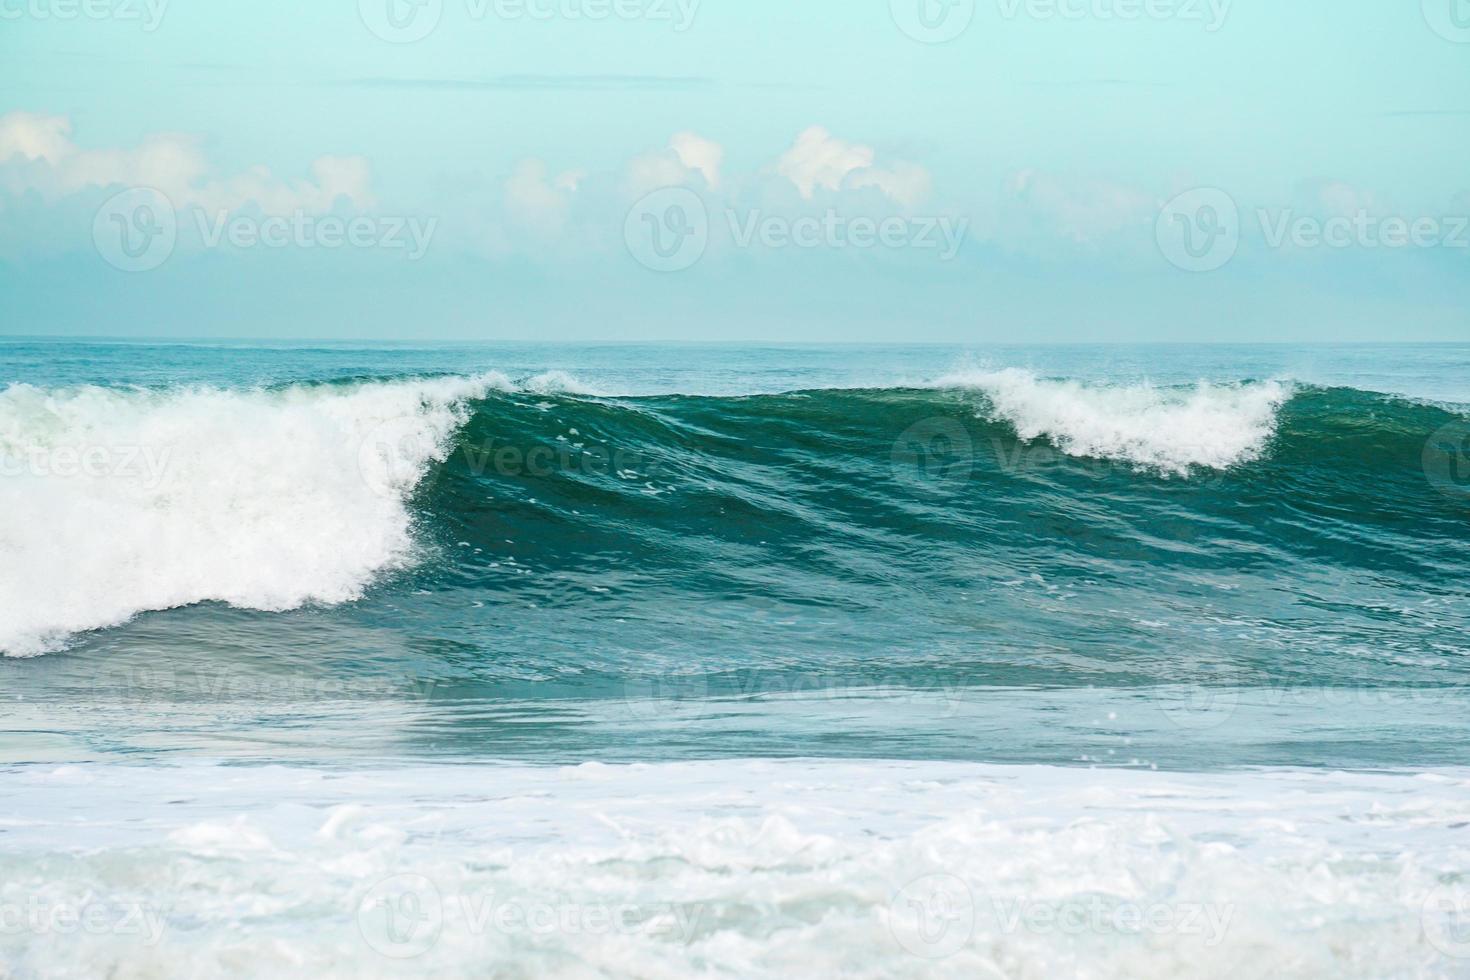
1168	430
738	868
560	383
117	502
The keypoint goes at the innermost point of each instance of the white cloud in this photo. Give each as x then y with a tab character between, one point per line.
1082	210
819	159
698	153
675	166
906	183
38	154
652	171
538	200
34	137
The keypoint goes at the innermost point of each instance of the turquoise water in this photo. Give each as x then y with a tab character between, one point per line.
645	553
1233	569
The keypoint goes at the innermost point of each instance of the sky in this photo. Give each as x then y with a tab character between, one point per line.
959	171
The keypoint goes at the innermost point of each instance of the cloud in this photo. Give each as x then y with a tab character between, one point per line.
820	160
1083	210
37	154
906	183
687	154
34	137
698	153
536	199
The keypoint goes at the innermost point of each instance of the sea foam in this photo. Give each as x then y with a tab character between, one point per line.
1167	429
115	502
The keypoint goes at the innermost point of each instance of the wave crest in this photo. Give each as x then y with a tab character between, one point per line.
1168	430
119	502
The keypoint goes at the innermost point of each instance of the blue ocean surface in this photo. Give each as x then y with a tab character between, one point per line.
820	622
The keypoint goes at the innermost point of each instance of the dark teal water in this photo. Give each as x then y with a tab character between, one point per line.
1179	557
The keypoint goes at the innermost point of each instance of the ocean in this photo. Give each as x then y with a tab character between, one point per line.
731	661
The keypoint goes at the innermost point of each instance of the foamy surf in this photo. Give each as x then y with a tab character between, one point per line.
740	868
1169	429
117	502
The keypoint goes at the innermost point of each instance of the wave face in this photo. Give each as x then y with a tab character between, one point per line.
996	523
